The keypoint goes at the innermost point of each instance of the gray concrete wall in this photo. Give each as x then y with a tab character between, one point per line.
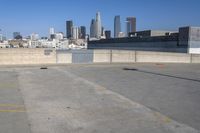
195	58
156	57
102	56
82	56
123	56
27	56
63	57
49	56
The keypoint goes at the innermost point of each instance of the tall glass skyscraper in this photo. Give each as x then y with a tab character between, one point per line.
98	25
51	31
93	29
117	26
75	33
82	32
131	25
69	25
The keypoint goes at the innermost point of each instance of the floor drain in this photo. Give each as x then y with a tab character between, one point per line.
43	68
130	69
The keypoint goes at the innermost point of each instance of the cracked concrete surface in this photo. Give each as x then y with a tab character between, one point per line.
78	99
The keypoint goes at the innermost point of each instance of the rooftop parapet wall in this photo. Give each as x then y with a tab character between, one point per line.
27	56
49	56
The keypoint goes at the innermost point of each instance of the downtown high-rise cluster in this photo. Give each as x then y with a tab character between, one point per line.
130	26
97	31
74	32
75	35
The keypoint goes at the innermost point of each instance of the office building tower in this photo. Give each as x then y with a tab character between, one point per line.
93	29
98	25
108	34
51	31
75	33
69	25
16	35
102	31
117	26
131	25
82	32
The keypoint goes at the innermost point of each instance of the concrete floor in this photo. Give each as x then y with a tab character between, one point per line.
117	98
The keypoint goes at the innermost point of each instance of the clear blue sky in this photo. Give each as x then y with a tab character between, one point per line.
27	16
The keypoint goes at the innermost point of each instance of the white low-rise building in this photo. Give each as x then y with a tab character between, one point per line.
46	43
4	44
34	44
64	44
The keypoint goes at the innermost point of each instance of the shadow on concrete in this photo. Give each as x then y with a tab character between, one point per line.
160	74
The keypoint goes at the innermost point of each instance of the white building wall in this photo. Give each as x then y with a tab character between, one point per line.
194	40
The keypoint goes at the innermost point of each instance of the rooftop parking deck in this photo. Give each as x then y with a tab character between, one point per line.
112	98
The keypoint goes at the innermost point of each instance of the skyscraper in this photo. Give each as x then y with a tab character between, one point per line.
93	29
75	33
131	25
82	32
117	26
69	25
51	31
102	31
98	25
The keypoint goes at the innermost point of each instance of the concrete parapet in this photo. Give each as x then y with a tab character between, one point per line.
82	56
156	57
195	58
64	58
51	56
123	56
102	56
27	56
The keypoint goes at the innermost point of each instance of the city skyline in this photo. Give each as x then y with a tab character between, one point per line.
21	16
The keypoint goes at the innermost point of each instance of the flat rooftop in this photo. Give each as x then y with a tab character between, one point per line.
112	98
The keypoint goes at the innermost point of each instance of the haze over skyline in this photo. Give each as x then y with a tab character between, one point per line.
28	16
